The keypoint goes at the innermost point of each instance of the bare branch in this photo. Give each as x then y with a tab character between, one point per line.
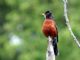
68	24
50	52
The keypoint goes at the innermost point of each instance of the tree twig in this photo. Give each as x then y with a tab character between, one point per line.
68	24
50	52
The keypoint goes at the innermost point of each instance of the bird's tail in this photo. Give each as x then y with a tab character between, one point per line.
54	43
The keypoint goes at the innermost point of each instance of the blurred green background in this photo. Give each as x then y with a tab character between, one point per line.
20	29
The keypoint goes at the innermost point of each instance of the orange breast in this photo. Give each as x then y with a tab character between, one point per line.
49	28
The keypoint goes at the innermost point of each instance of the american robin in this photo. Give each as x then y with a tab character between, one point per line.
49	28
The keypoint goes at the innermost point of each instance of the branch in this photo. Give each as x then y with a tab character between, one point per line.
50	52
68	24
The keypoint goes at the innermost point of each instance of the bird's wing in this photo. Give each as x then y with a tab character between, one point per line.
57	34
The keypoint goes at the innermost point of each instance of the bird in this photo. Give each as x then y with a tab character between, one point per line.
49	28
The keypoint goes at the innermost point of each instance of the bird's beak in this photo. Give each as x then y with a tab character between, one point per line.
43	14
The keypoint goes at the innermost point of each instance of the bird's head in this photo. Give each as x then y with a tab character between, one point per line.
47	14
